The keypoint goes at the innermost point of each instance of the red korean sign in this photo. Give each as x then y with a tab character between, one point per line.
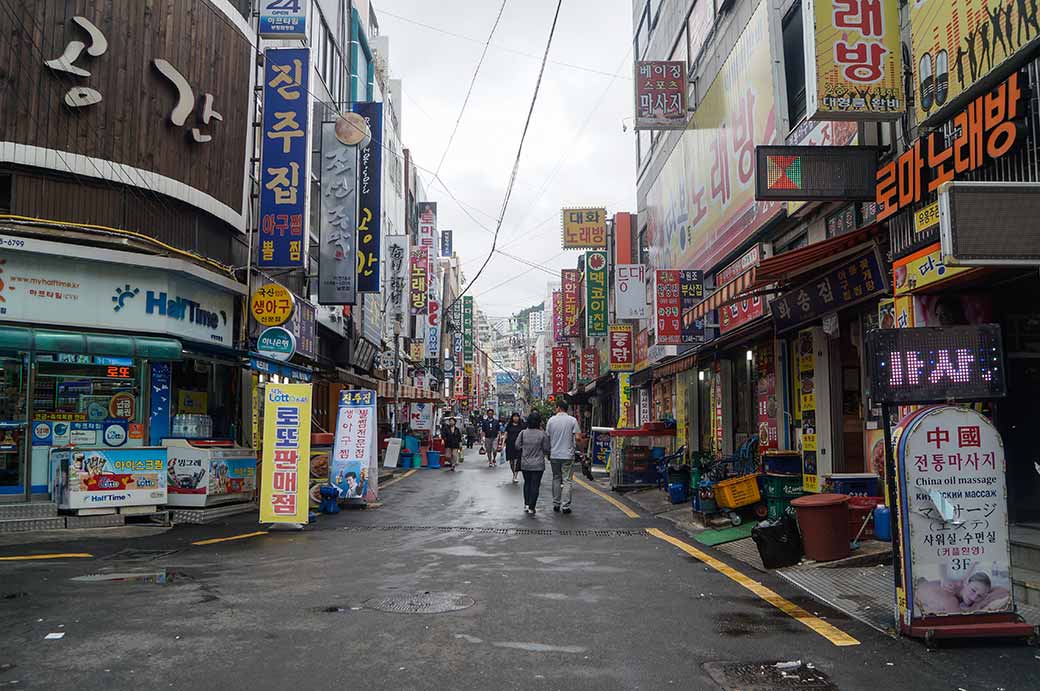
622	350
668	307
642	350
560	364
589	364
741	312
570	279
660	95
419	282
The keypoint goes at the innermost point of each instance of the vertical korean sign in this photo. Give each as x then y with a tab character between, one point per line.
621	348
569	279
370	189
807	401
595	293
467	328
691	292
661	94
352	469
284	178
337	253
557	315
667	304
447	248
397	248
560	374
854	67
588	368
630	291
428	227
287	449
419	281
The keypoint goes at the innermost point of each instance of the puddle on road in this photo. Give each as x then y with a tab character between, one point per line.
541	647
158	577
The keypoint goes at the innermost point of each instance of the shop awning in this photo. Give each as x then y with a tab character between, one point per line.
80	343
356	379
408	393
680	364
724	295
259	363
783	268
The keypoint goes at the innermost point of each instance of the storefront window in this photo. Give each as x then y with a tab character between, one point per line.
203	395
99	399
13	424
744	423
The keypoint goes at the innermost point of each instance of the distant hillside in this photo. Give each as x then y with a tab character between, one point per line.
521	316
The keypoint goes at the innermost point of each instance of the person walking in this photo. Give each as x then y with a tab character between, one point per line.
489	427
533	445
471	433
513	429
452	443
562	430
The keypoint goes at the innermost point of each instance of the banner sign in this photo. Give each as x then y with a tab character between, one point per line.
626	412
284	179
955	548
419	283
661	95
589	365
691	292
600	446
595	294
921	269
467	328
667	307
433	331
765	397
428	227
447	249
557	315
584	228
805	391
284	496
984	131
283	19
630	291
852	281
642	350
570	279
622	352
370	191
397	249
854	66
560	365
337	258
354	459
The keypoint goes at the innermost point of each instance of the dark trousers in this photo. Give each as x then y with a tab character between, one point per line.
532	483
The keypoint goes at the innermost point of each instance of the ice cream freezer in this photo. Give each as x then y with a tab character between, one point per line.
205	473
85	479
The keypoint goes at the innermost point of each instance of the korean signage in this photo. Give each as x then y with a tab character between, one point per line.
805	389
661	94
748	308
854	59
277	343
284	178
691	292
467	328
852	281
283	18
447	246
272	305
419	280
921	269
939	363
622	351
626	413
765	397
337	257
433	330
630	291
584	228
956	554
428	227
570	279
642	350
595	294
369	193
589	367
351	467
284	496
107	478
667	307
560	373
557	315
397	251
956	43
302	325
985	130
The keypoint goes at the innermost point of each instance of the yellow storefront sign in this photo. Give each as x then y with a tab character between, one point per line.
920	270
271	305
927	218
584	228
854	69
624	399
285	481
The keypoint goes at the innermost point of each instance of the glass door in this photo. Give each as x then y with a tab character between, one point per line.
14	428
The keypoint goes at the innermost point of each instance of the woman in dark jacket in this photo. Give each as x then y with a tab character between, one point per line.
513	429
452	443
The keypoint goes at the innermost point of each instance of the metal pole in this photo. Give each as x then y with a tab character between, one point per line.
397	377
894	515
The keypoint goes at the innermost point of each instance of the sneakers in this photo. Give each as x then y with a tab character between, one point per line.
556	509
532	511
527	509
566	510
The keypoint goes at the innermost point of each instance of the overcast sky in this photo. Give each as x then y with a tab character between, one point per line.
575	152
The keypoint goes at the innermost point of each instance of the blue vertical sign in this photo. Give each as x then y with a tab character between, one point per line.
446	243
283	174
370	168
159	404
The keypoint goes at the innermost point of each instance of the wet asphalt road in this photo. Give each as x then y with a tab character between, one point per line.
586	601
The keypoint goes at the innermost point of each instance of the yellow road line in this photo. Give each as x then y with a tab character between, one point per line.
603	495
31	557
828	631
411	472
243	536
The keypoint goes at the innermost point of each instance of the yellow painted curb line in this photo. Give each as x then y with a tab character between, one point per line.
31	557
229	539
603	495
828	631
411	472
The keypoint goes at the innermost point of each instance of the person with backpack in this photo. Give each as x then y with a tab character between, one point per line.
533	445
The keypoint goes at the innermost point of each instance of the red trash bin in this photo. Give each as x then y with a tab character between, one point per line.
824	522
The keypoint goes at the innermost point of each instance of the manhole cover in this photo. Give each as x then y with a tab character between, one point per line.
768	676
421	603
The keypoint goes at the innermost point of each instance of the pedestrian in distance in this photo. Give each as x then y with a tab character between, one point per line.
471	434
489	427
513	429
562	430
533	444
452	444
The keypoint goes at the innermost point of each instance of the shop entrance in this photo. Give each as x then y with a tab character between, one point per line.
14	432
1019	413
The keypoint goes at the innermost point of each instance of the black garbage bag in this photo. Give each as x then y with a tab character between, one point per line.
779	542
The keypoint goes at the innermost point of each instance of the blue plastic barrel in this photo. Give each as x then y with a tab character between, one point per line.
883	523
433	459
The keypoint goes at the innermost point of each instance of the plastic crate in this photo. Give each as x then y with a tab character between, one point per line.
782	486
737	492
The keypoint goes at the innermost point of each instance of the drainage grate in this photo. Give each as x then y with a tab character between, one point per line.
501	531
139	554
421	603
768	676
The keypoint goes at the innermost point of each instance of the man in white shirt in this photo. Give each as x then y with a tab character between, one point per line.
562	430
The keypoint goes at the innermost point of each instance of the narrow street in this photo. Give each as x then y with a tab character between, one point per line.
593	600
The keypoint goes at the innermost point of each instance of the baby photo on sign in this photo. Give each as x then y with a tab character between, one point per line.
979	588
